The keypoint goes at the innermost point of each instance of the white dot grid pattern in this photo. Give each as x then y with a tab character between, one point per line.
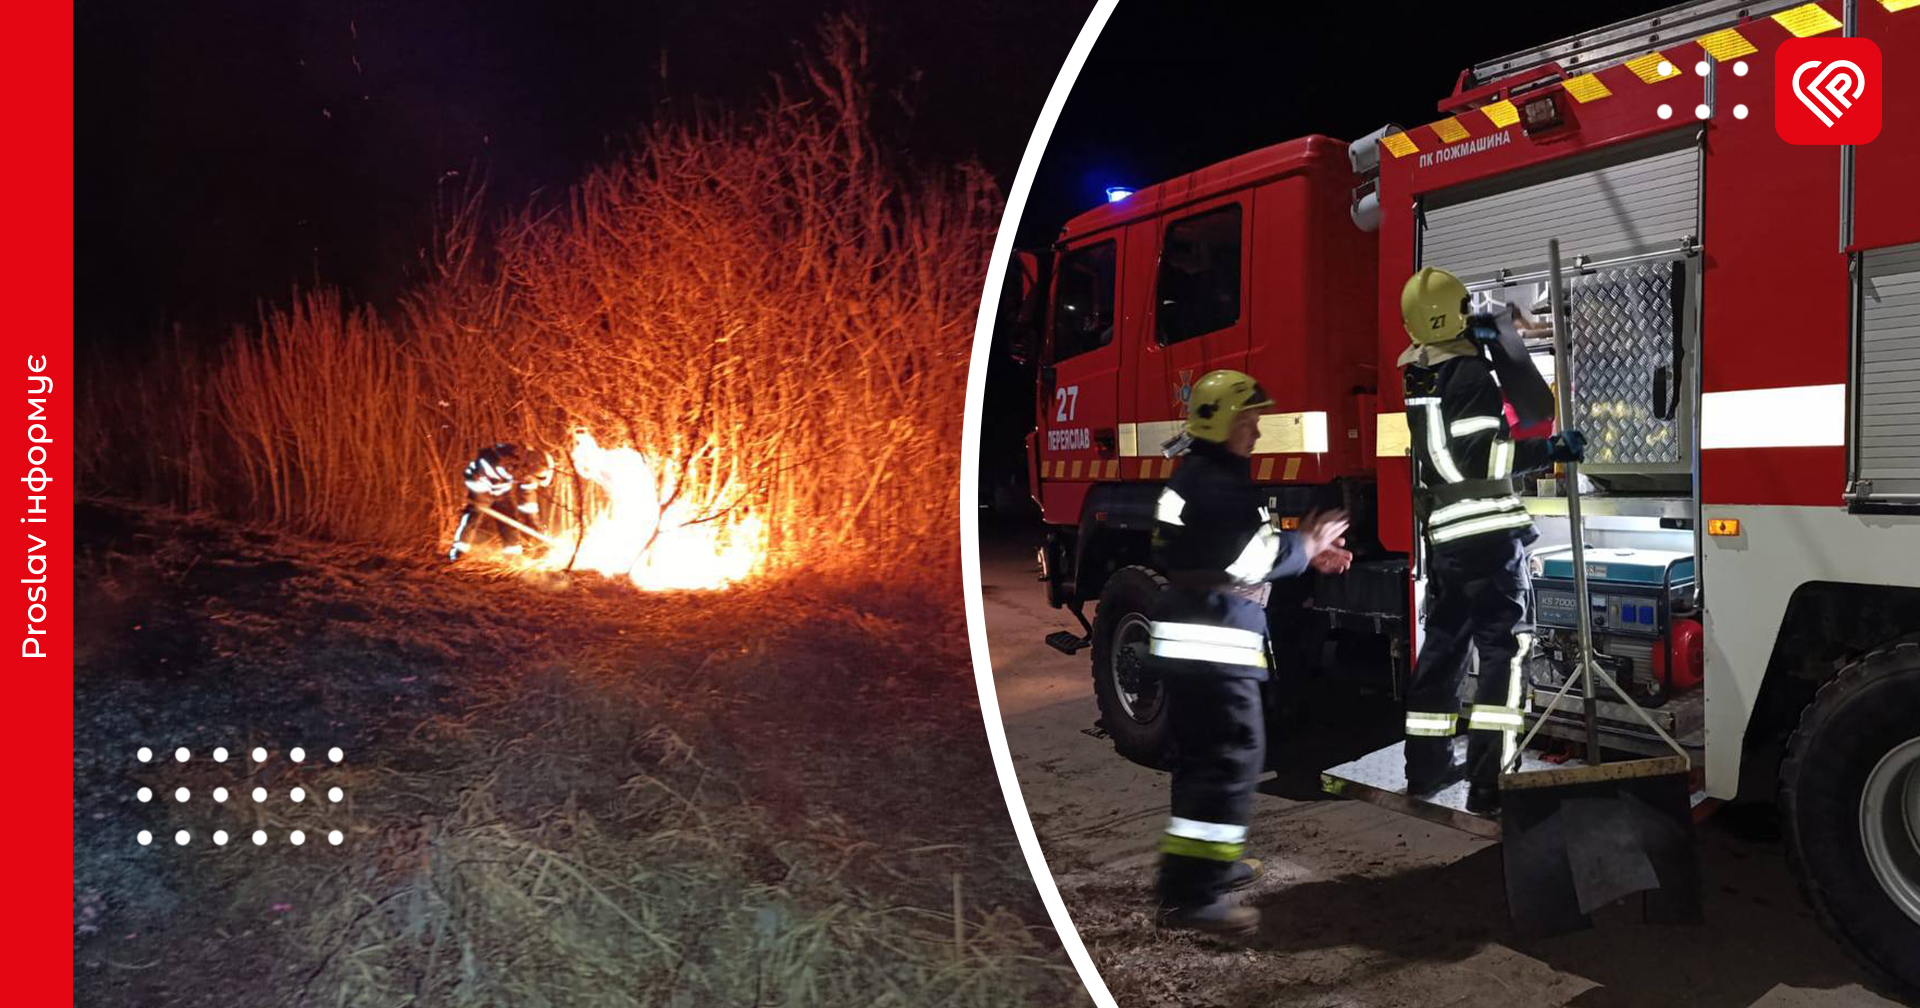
1740	69
335	794
299	755
259	794
1666	68
145	755
335	837
335	754
219	794
145	794
220	754
182	837
1739	111
1700	68
182	794
182	754
1666	111
259	837
220	837
1701	111
145	837
298	794
259	755
297	838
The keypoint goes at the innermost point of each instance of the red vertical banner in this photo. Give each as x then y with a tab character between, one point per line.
39	371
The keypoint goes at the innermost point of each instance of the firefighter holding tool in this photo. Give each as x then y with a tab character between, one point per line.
493	478
1476	529
1219	546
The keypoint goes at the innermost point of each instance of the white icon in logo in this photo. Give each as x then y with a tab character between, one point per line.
1834	87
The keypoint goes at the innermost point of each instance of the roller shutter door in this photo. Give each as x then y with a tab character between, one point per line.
1644	205
1887	398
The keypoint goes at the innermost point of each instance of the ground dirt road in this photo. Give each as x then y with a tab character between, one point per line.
1363	908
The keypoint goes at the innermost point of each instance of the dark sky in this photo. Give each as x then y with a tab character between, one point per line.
229	149
1175	85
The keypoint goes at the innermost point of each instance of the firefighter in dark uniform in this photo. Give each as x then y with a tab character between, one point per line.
491	481
1476	529
1219	547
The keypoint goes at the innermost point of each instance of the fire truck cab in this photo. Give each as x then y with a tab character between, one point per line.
1253	264
1743	320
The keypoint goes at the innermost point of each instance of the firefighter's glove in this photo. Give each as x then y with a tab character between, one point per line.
1568	447
1483	329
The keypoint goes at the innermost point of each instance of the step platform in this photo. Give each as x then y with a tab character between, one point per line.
1380	778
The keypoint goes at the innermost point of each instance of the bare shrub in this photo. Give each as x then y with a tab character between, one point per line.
772	306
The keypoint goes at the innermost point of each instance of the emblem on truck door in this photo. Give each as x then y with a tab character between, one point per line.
1183	392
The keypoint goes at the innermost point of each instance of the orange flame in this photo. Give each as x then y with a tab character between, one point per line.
686	553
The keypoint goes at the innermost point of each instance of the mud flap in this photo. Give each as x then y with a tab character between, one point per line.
1578	838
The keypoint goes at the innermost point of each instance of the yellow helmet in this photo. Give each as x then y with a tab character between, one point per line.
1433	306
1217	398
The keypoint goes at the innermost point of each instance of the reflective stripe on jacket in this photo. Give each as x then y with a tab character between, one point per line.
1457	422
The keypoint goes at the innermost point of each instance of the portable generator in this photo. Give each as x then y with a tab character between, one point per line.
1641	608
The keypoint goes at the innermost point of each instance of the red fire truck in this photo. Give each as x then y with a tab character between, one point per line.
1744	320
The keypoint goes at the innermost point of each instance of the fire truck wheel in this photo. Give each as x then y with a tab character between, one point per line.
1850	800
1133	705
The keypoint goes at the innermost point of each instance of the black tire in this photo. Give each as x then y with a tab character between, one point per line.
1136	719
1855	722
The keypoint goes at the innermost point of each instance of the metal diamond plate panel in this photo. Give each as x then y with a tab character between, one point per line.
1622	331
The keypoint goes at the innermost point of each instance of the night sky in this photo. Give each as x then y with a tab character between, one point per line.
1174	86
228	150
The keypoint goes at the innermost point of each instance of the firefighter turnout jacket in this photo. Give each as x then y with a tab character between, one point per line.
1464	452
1216	540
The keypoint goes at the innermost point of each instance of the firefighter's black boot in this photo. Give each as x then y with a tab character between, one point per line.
1431	766
1244	873
463	533
1220	917
1483	799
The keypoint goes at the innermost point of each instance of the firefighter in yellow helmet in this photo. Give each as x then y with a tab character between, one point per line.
1476	529
1218	546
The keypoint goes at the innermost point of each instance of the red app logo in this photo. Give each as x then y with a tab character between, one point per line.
1827	91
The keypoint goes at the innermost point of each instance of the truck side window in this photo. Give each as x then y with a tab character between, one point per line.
1083	311
1199	283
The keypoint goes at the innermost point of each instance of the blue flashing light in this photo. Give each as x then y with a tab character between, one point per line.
1117	193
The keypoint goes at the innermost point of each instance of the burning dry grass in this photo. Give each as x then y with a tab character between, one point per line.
547	854
770	307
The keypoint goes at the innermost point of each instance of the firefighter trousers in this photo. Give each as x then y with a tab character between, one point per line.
1220	741
472	518
1476	599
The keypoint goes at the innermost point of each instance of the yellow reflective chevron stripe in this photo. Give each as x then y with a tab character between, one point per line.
1222	654
1205	633
1207	849
1257	557
1500	459
1499	718
1170	507
1194	829
1208	643
1473	509
1473	425
1437	441
1492	523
